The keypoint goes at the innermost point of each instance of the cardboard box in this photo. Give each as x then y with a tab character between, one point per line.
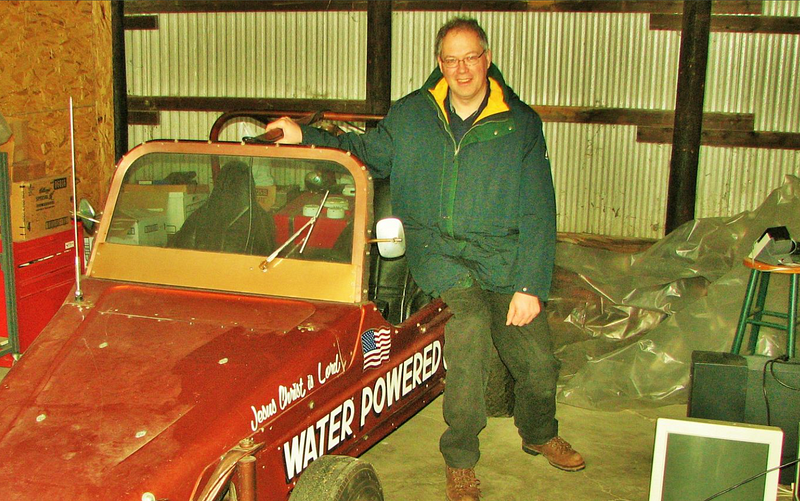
138	227
181	188
266	196
27	170
176	201
180	206
285	194
40	207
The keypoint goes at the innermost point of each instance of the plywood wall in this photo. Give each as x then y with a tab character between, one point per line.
49	52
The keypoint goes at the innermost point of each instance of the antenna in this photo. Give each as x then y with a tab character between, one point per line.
78	291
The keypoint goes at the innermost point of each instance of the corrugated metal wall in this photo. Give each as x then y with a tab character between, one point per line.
255	54
606	182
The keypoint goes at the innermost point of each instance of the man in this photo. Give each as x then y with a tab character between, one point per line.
470	178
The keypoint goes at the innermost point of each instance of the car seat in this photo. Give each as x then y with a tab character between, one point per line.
391	286
231	220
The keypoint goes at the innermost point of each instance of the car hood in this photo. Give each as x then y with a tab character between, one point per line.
150	383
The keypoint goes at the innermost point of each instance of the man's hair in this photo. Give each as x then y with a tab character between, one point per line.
460	23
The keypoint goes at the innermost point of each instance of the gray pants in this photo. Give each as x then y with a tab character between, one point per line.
479	318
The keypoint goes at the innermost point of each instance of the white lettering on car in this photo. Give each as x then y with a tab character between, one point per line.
331	369
337	426
288	395
387	388
314	441
262	414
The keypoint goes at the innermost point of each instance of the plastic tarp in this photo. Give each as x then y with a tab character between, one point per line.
626	324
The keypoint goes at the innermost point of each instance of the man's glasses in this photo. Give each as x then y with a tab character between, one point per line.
452	62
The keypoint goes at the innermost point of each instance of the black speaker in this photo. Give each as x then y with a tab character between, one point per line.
745	389
718	386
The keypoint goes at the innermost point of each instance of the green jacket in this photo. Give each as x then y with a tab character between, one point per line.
482	210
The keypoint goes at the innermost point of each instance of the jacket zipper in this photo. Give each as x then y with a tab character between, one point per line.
457	148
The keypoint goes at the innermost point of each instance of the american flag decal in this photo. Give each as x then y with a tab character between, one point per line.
376	345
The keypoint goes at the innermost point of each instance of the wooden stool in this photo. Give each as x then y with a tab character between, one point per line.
753	316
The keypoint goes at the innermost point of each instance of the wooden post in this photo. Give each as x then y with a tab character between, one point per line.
682	189
379	57
119	79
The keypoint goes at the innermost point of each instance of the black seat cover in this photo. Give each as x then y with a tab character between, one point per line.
231	220
390	284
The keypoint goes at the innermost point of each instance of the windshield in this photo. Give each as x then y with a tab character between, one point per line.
237	205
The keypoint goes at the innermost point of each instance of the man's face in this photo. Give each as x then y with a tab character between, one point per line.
467	83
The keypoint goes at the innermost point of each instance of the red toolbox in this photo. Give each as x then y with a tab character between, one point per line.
44	276
290	218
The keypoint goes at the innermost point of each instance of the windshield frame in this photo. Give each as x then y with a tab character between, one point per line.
217	271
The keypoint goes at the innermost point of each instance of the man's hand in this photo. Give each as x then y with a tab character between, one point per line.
523	309
292	134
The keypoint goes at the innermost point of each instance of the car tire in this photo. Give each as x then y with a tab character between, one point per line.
499	396
338	478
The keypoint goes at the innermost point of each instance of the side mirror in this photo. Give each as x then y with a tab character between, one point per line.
87	215
390	237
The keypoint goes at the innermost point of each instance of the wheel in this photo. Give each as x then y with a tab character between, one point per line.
499	394
338	478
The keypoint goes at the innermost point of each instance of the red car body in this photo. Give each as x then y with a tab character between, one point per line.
177	363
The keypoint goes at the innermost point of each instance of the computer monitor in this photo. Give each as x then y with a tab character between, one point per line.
694	459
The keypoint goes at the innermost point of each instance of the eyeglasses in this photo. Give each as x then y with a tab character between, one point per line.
452	62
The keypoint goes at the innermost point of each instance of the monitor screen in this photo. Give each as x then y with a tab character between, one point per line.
694	459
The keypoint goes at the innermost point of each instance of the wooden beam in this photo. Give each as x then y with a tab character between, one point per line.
568	114
621	6
182	6
726	138
171	103
119	79
652	118
689	96
140	22
140	117
733	24
379	57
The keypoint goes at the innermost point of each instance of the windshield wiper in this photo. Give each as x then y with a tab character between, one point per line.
291	239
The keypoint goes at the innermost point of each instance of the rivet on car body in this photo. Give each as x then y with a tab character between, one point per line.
223	361
103	345
41	417
148	496
140	434
311	404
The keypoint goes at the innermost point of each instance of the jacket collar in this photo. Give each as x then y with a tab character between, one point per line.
437	86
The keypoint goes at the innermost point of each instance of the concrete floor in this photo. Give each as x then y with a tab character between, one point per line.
617	447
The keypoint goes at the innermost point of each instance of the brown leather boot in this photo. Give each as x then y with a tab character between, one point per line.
558	452
462	485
